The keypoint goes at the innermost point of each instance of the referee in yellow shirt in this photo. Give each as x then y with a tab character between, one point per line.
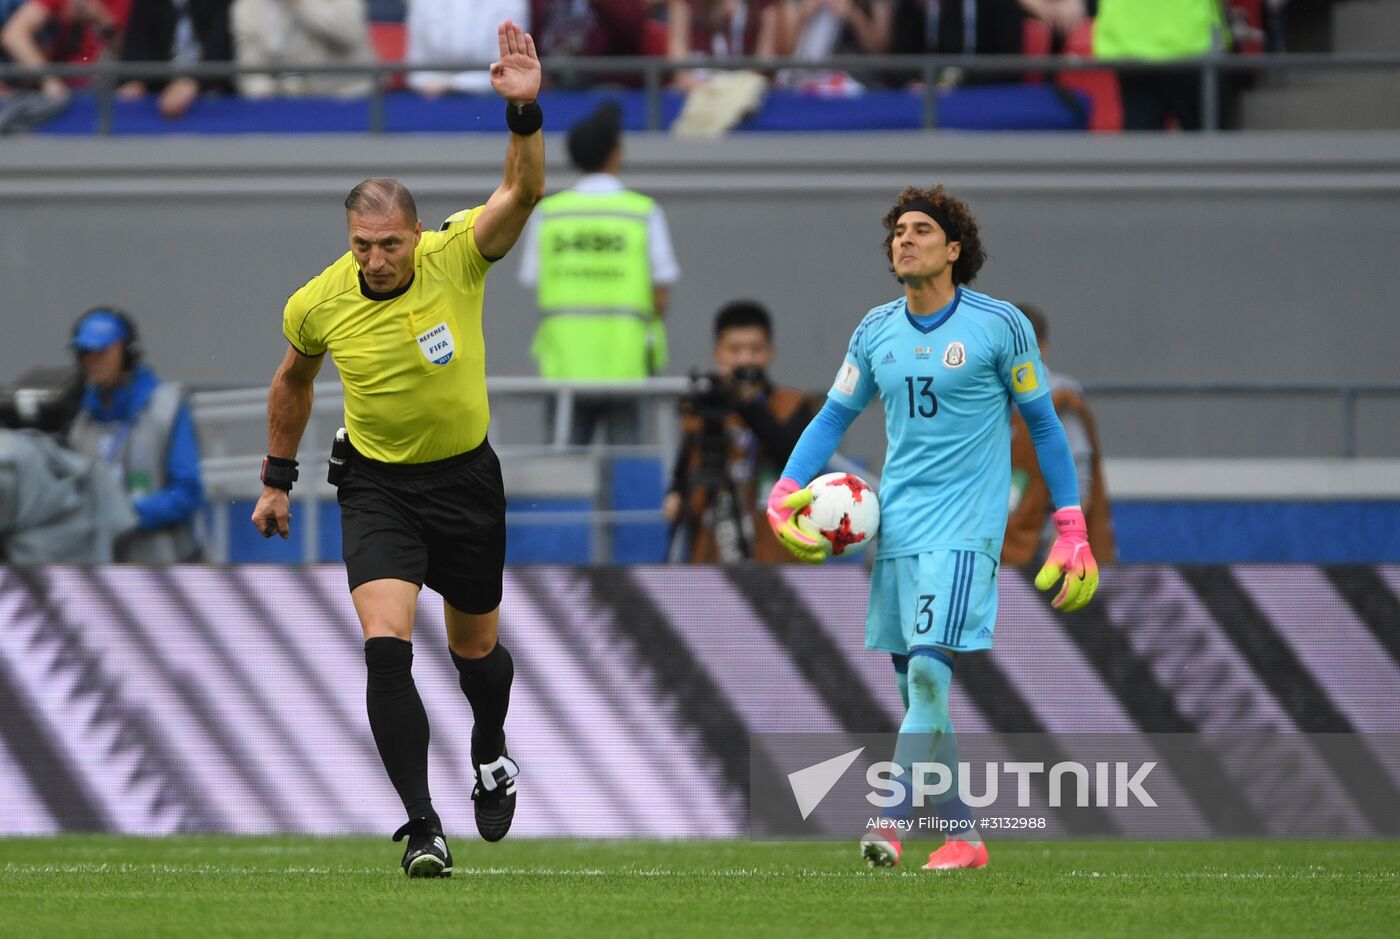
421	500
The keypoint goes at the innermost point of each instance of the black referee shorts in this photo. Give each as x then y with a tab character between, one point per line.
442	524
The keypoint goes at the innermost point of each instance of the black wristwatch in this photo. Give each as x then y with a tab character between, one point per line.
279	473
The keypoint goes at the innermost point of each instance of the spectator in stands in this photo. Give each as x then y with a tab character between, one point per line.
387	11
993	28
589	27
988	27
721	29
181	32
1062	16
600	259
738	432
1029	529
301	32
458	30
40	32
1150	29
815	29
143	429
1272	29
6	8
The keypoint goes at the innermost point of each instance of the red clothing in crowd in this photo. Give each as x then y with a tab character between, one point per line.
717	32
74	42
600	27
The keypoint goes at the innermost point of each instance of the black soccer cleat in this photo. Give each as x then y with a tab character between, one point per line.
493	797
426	854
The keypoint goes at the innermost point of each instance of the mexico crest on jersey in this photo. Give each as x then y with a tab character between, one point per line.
955	355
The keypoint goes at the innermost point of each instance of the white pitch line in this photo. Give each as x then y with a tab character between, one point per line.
726	874
104	868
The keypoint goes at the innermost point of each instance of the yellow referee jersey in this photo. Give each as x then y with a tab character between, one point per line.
413	366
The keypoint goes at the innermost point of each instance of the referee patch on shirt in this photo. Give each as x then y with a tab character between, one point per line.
437	344
846	378
1023	378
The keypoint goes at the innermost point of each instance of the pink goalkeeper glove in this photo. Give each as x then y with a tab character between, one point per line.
1070	555
787	498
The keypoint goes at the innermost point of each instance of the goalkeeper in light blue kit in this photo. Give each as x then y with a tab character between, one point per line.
947	363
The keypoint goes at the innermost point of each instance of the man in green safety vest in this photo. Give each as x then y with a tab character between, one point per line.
600	260
1160	31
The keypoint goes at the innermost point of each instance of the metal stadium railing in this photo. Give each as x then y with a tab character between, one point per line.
1347	394
230	470
231	473
107	75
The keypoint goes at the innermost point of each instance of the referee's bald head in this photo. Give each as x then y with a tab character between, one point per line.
382	196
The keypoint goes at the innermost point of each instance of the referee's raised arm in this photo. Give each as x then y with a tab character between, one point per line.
516	78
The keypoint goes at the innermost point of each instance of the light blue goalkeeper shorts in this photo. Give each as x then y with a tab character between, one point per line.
945	599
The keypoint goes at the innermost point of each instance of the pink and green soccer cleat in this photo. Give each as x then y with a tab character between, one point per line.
957	855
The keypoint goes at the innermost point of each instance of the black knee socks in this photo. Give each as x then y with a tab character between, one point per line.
486	683
398	721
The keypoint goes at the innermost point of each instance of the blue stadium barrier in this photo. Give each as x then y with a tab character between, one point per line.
328	535
247	546
1149	532
1258	532
983	107
566	543
636	483
525	543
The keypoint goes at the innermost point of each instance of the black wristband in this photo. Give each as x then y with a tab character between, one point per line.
524	119
279	473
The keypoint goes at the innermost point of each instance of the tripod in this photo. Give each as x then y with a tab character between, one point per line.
720	496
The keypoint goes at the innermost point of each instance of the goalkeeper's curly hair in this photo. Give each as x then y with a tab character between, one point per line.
970	258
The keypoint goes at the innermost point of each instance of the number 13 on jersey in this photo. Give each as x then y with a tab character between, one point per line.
922	403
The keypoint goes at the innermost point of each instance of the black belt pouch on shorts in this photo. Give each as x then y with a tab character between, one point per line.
340	455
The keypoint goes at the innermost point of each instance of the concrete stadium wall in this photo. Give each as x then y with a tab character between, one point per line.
1260	257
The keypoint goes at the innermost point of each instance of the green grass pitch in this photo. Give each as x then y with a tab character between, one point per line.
218	886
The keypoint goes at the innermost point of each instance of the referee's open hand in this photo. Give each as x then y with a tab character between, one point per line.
272	515
516	74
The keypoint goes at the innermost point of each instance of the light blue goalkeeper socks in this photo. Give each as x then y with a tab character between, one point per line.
901	677
926	736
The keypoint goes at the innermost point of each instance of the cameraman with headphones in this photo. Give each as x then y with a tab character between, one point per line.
738	431
142	427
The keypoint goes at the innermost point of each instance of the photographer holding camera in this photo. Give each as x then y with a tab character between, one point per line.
737	433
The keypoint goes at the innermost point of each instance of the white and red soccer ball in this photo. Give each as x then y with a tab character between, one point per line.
844	513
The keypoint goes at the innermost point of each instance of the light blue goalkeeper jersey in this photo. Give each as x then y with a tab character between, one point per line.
947	382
